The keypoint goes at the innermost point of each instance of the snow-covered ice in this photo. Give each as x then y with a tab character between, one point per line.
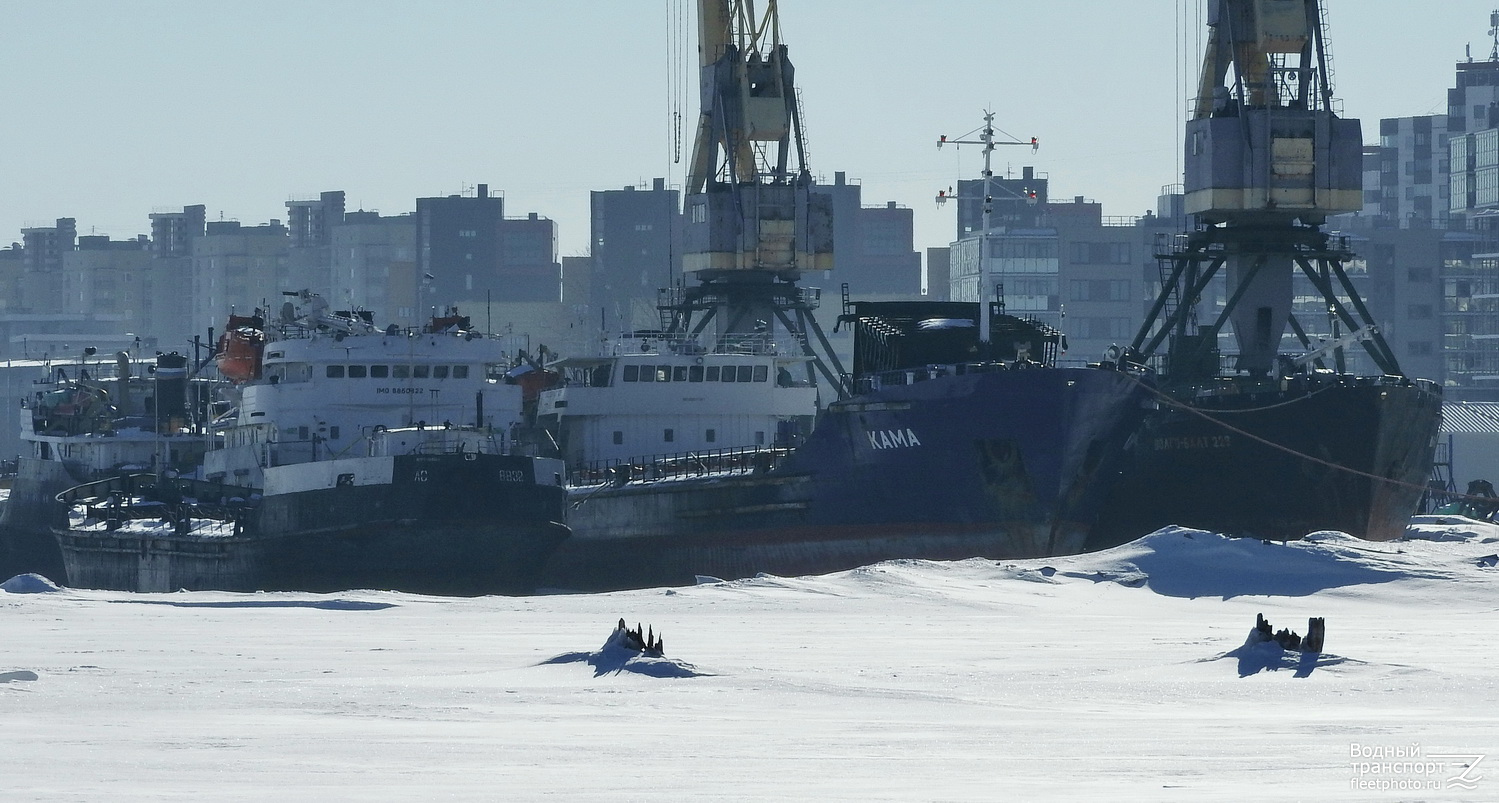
1121	675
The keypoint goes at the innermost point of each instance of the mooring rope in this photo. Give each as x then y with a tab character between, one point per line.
1488	500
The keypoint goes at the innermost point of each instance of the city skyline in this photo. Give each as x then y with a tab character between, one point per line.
120	111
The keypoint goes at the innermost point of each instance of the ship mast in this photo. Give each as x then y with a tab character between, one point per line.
752	225
987	140
1267	160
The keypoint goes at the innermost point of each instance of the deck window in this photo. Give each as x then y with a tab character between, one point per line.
439	372
728	373
358	371
712	373
420	371
711	435
647	373
746	373
762	373
632	373
400	371
335	372
619	437
679	373
669	435
695	373
379	371
460	372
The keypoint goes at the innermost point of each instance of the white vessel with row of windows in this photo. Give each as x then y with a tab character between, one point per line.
652	394
355	456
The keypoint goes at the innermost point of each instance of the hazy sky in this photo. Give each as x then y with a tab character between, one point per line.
118	109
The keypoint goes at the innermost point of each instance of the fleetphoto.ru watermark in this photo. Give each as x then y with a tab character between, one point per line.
1402	768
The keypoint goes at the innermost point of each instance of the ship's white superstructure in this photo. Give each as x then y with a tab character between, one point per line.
651	396
327	384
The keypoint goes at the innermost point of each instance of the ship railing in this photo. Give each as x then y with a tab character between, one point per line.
680	465
185	504
911	376
675	343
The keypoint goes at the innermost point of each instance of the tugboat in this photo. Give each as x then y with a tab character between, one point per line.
95	419
1271	446
355	457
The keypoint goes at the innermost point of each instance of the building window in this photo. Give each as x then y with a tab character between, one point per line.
1419	348
1419	311
1418	274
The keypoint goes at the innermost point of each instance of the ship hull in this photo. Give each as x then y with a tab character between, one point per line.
29	515
1343	454
1002	464
442	524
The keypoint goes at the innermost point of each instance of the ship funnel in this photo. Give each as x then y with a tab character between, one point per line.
171	392
122	383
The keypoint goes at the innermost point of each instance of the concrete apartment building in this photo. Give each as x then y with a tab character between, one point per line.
874	249
310	224
373	265
65	292
110	277
44	247
1063	263
1469	268
468	252
167	306
635	249
237	268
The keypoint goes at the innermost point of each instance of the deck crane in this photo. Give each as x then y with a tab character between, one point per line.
752	224
1267	160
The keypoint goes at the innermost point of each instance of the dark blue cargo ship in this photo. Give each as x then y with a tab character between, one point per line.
940	452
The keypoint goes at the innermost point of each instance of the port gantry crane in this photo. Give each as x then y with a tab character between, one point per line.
1267	159
752	224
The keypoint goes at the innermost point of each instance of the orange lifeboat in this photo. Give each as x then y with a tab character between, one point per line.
240	349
